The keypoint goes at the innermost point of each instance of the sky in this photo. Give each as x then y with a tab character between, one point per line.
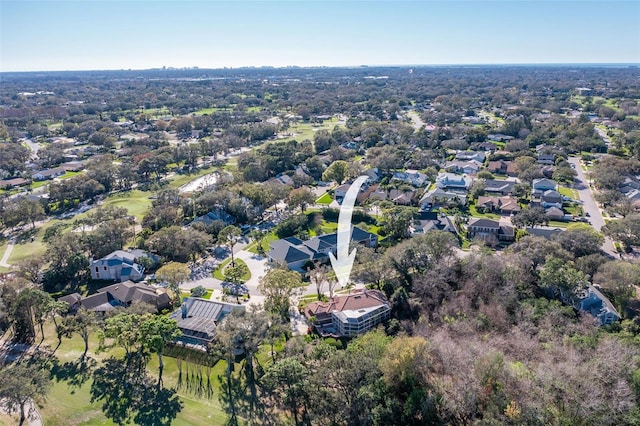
138	34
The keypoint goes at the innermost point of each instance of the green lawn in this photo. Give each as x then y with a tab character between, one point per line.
474	213
67	405
136	202
568	192
269	238
218	273
325	199
178	180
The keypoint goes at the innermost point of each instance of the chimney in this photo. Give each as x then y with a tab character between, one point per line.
184	310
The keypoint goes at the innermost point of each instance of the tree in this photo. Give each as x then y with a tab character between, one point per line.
300	197
530	217
337	171
278	286
243	332
82	323
626	230
562	275
396	221
155	332
122	330
31	210
179	244
228	237
286	384
419	254
580	240
620	278
21	384
564	174
174	274
31	268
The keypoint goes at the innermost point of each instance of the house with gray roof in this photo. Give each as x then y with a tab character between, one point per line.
453	181
295	253
198	319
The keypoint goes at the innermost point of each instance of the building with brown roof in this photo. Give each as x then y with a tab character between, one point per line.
349	314
118	295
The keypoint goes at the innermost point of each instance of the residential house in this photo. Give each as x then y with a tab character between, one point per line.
10	183
120	295
538	186
438	197
548	159
498	137
198	319
48	173
119	266
412	177
397	196
363	193
72	166
487	228
505	205
551	198
453	181
213	216
479	156
554	213
484	146
374	175
544	232
295	253
593	301
496	186
470	167
589	299
547	171
350	314
431	221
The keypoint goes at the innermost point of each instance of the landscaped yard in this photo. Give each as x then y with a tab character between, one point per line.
568	192
325	199
266	240
71	405
218	273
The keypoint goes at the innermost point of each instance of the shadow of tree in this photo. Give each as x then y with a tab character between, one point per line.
75	373
128	393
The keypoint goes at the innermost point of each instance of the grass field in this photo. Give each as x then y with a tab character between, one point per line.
178	180
136	202
67	405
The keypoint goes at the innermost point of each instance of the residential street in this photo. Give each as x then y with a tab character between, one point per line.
589	204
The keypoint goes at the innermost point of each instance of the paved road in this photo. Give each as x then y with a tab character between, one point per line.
416	121
7	253
589	204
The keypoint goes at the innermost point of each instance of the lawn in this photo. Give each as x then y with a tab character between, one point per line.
218	273
136	202
568	192
325	199
474	213
71	405
266	240
179	180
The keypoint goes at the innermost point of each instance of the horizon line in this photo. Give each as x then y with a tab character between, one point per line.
284	67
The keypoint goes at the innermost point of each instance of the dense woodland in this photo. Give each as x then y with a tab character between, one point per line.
476	336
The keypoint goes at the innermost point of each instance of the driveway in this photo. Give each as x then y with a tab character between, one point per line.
589	205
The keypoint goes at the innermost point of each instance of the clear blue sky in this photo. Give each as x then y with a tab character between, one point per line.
107	34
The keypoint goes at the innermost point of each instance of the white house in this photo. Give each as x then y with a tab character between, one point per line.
412	177
453	181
